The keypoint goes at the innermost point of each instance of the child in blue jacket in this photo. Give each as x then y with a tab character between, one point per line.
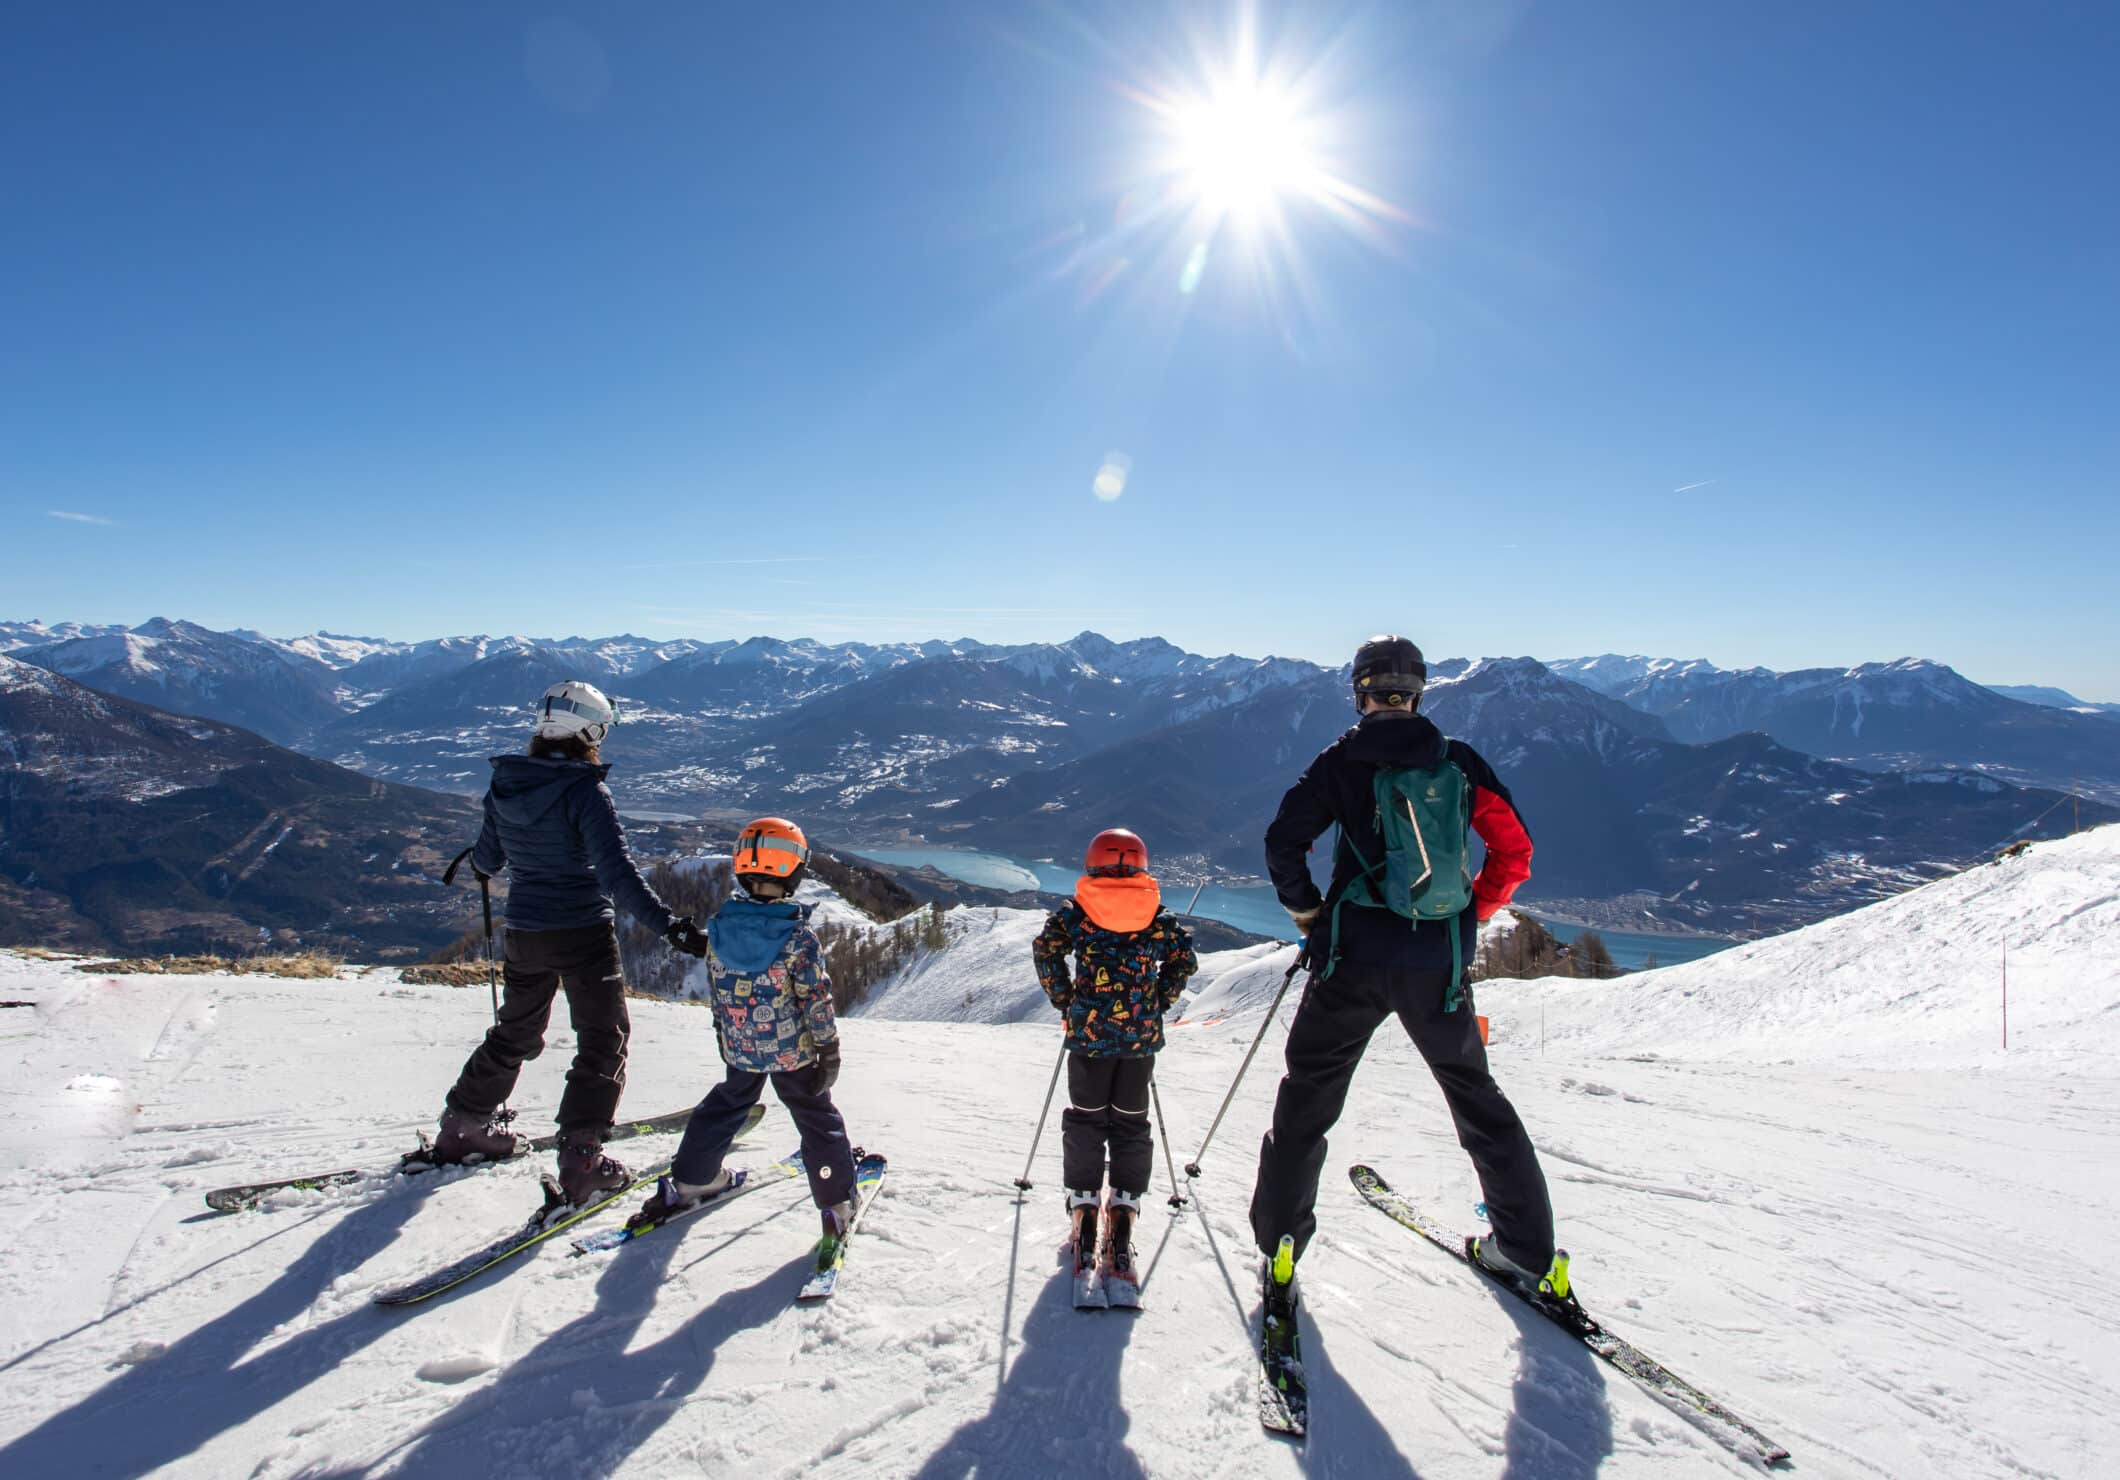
772	1005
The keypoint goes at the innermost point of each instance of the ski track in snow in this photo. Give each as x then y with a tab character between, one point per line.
1874	1262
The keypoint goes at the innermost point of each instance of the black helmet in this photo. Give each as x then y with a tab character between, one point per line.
1389	665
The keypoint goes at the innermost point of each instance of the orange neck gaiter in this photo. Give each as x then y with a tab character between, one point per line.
1120	905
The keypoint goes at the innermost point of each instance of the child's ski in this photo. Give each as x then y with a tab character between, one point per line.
741	1181
1565	1312
1082	1264
1121	1280
832	1251
412	1163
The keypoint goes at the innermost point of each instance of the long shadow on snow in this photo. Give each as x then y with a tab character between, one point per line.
1057	1411
1560	1425
532	1419
1345	1437
163	1410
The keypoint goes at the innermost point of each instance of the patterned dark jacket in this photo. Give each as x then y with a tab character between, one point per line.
1123	980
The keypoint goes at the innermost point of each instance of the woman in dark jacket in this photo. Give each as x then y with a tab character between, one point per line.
551	823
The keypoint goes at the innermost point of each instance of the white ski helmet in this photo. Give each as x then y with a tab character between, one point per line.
575	708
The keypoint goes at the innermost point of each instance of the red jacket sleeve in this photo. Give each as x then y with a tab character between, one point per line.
1508	864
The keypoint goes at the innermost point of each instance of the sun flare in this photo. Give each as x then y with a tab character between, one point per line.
1241	149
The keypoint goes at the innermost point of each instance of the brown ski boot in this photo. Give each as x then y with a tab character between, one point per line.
463	1137
585	1173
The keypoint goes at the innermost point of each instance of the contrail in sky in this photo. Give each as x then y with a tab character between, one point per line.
1689	487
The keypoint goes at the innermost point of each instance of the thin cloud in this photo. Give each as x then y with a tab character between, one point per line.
79	518
1689	487
703	564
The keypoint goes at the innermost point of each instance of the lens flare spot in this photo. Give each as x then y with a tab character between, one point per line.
1110	481
1195	266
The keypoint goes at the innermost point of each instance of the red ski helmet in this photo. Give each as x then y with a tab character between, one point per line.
1115	853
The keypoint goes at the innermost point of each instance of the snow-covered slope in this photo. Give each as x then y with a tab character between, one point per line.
983	976
248	1344
1918	978
1824	1249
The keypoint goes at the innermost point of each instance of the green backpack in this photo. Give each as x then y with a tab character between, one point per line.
1425	817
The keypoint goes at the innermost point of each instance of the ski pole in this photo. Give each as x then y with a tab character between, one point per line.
485	893
1192	1168
1024	1181
1163	1130
493	988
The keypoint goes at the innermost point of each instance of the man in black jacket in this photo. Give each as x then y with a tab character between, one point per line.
1369	963
551	822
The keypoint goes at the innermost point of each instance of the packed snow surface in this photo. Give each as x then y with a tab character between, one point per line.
1919	978
1876	1249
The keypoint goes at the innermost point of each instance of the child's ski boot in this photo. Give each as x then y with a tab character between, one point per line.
1084	1207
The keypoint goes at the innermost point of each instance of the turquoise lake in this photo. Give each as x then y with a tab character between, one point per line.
1248	907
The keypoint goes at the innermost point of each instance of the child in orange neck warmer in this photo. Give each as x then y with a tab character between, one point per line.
1131	960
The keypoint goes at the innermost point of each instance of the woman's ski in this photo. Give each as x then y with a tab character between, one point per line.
1728	1429
557	1214
413	1163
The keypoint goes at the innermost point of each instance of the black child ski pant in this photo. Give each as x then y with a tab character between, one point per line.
1332	1028
1107	1107
826	1153
540	964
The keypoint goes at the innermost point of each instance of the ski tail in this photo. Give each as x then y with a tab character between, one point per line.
823	1283
242	1195
1284	1392
1556	1300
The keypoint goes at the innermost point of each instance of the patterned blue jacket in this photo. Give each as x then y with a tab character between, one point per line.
767	986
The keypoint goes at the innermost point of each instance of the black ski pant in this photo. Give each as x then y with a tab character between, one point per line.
1107	1108
827	1155
540	964
1333	1026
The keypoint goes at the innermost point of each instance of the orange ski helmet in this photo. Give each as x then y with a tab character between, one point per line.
1115	853
772	846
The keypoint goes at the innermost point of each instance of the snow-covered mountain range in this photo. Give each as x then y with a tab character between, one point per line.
1661	790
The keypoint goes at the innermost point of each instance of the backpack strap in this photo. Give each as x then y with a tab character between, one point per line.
1454	994
1339	902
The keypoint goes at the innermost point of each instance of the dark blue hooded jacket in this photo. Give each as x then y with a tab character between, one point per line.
554	825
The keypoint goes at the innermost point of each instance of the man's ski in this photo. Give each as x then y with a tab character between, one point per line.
1284	1395
832	1251
1727	1428
741	1181
413	1163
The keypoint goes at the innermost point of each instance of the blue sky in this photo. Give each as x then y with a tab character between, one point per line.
1770	334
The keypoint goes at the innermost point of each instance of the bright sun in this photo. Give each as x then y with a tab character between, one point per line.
1241	150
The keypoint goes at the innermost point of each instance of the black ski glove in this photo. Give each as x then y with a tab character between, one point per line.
826	1070
683	935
